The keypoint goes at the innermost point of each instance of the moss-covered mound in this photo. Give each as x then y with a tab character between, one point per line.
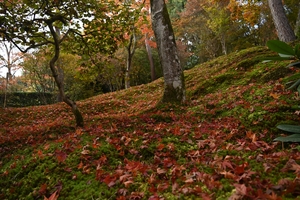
218	145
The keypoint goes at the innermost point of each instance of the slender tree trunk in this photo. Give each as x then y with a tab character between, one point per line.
223	44
60	71
150	57
284	30
60	76
174	88
5	90
58	80
130	52
9	61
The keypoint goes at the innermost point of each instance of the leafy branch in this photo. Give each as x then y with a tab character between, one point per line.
287	52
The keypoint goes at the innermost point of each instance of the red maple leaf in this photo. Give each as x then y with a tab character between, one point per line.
60	156
43	189
110	180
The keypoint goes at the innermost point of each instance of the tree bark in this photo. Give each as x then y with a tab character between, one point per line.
150	57
60	71
174	88
284	30
58	80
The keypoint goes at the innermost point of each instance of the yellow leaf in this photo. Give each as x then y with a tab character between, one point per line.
275	95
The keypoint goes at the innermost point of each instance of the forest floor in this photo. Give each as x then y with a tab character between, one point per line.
218	145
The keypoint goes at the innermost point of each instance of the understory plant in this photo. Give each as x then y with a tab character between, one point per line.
287	52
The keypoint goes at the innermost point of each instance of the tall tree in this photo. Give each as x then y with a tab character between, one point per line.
174	88
131	46
284	30
147	32
32	24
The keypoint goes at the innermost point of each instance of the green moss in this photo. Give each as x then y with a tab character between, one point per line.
161	118
247	63
224	153
222	90
275	74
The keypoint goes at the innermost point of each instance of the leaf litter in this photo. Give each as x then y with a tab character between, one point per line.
216	146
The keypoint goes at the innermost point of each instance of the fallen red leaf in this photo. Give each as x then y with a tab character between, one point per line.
110	180
54	196
61	156
161	171
228	175
162	186
239	170
80	165
160	147
128	183
43	189
291	165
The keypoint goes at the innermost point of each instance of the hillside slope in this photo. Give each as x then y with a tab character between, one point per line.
218	145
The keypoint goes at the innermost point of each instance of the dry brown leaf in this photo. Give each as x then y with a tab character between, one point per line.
161	171
228	175
85	152
54	196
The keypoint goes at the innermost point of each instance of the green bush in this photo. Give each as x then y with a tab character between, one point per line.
23	99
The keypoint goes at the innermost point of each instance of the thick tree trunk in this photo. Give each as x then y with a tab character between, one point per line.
284	30
174	89
150	57
297	28
58	80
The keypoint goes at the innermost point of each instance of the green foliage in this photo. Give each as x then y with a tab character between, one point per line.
280	47
141	72
23	99
287	52
290	138
22	23
175	7
289	128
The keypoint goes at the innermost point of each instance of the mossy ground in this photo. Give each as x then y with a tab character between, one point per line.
219	144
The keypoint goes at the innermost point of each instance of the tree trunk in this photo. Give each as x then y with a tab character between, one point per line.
223	44
174	88
284	30
150	57
58	80
130	52
60	71
60	76
297	27
9	62
5	90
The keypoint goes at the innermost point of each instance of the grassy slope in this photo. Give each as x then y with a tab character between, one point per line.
218	145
